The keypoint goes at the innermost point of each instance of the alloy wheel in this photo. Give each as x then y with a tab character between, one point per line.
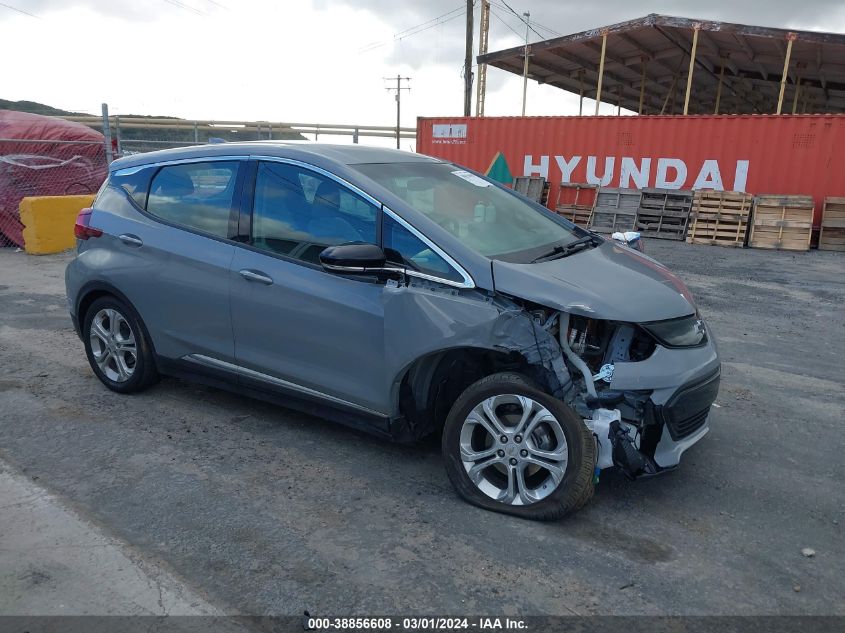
113	345
513	449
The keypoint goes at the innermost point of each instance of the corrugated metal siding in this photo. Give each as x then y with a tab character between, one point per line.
787	154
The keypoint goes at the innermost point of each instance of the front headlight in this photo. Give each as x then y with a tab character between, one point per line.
687	331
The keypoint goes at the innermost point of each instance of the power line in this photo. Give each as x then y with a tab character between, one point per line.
11	8
186	7
505	5
459	8
419	28
399	88
545	28
503	21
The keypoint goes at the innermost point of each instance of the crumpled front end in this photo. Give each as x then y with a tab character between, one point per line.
646	400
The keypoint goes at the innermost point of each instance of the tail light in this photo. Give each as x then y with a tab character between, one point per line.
83	229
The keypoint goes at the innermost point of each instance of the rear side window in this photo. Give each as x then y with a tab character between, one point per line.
195	195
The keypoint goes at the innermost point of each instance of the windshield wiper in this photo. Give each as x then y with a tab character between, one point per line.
559	252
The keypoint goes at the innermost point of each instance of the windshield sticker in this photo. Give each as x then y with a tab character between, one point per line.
471	178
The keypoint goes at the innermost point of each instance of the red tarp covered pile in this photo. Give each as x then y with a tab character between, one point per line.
36	159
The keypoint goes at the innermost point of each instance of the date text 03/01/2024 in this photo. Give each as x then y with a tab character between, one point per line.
414	623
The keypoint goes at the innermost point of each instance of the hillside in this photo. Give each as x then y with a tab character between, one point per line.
146	139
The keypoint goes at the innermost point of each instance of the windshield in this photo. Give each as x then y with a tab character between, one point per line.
487	219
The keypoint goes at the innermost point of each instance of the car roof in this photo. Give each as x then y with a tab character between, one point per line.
343	154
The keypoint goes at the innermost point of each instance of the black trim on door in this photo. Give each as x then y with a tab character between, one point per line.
244	231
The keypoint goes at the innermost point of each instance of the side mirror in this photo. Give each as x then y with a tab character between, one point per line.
356	257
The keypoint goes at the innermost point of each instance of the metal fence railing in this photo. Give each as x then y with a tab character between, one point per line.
143	134
49	167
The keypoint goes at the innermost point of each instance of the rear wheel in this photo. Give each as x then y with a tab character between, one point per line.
117	346
510	447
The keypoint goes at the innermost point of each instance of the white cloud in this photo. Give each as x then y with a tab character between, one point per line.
296	60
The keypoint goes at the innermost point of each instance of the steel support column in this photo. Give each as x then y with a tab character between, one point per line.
691	67
785	72
601	70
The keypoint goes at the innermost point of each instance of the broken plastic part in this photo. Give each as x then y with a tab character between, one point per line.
605	373
626	456
604	400
599	424
629	238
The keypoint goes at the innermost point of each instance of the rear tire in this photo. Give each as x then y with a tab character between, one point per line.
510	447
118	347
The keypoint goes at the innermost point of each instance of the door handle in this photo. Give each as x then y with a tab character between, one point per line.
254	275
131	240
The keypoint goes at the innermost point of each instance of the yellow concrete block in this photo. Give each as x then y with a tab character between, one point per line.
48	222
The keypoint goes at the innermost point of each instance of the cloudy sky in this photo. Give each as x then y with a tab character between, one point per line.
307	60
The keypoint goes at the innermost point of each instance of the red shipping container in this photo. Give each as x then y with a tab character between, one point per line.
771	154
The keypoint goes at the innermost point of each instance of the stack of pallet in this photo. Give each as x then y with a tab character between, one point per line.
832	236
719	218
664	213
534	187
782	222
615	210
575	201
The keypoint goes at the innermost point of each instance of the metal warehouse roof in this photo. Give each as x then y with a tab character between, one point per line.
737	68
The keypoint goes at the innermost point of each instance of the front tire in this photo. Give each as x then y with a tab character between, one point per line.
510	447
117	346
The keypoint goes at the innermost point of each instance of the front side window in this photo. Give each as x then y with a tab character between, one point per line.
195	195
298	212
490	221
404	248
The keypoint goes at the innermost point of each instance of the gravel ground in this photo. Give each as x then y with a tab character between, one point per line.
262	510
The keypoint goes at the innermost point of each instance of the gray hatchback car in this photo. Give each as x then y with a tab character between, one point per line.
399	294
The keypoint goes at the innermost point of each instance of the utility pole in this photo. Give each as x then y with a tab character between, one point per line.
527	15
468	62
107	134
483	35
399	88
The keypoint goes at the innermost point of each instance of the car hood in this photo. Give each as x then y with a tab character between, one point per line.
609	281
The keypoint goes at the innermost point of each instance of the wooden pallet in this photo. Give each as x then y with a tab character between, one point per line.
575	201
615	210
664	213
719	218
534	187
782	222
832	236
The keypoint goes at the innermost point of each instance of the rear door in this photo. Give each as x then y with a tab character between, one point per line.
297	327
172	261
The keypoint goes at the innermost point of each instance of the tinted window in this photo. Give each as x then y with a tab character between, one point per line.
135	183
298	212
403	247
196	195
489	220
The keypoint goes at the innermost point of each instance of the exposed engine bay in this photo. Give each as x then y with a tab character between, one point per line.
625	423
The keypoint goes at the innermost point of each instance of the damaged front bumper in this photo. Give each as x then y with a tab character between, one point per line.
654	409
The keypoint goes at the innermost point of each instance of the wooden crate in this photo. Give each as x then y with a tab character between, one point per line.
782	222
719	217
615	210
832	236
664	213
575	201
534	187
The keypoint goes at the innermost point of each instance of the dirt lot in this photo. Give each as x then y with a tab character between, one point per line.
264	511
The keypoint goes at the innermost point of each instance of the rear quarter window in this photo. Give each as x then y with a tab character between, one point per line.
135	183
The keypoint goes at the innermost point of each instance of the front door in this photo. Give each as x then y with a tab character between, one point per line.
297	327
